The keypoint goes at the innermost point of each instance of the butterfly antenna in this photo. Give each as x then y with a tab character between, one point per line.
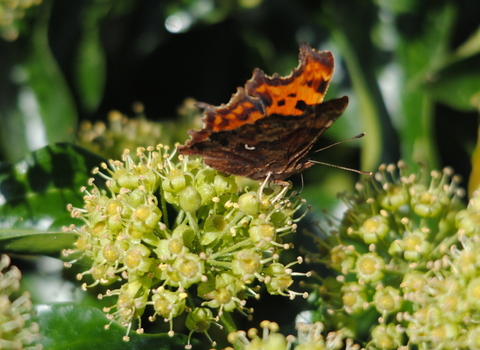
359	136
342	167
338	166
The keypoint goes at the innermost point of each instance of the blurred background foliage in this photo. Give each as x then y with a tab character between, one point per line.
73	70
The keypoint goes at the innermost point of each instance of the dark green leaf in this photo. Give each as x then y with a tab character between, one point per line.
457	92
90	58
34	194
90	71
420	56
39	107
73	326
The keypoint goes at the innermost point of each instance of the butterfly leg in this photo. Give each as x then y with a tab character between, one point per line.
286	185
262	186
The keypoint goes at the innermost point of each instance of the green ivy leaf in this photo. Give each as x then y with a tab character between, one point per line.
39	108
458	92
34	194
74	326
419	58
90	62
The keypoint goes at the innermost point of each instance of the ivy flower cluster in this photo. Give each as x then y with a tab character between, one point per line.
222	245
122	132
119	133
406	263
16	329
310	337
11	13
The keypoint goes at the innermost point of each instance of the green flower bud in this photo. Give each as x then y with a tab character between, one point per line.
246	264
189	269
395	196
374	228
469	220
415	245
249	203
205	176
370	267
342	258
115	223
279	280
426	203
224	184
135	198
207	192
199	320
262	232
189	199
473	338
473	292
147	177
386	337
213	227
111	253
148	215
175	181
185	233
354	298
137	259
168	304
125	179
387	300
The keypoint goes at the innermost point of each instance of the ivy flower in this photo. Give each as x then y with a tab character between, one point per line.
406	258
16	329
207	260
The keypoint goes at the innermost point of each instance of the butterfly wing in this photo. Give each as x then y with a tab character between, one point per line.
270	125
306	85
281	149
315	121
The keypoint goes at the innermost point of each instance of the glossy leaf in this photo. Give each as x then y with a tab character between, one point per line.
34	194
74	326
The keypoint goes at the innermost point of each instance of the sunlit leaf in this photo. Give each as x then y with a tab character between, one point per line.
40	107
34	194
73	326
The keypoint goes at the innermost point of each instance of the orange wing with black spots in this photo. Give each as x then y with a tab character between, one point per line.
269	126
264	95
305	86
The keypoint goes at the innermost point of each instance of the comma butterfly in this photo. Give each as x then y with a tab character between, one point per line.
268	128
